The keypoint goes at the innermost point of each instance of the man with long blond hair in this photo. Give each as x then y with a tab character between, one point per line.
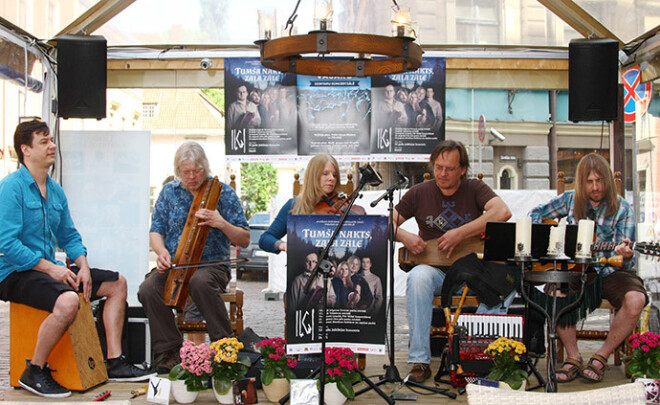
595	198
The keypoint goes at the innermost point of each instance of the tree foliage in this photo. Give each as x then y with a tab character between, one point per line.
258	185
217	96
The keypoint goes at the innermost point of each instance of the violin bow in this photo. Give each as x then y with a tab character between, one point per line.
208	263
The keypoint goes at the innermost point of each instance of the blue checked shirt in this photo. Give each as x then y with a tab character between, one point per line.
608	229
171	211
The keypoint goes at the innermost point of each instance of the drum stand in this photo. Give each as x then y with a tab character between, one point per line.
554	278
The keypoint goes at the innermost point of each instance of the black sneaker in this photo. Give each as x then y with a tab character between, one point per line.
120	369
38	381
167	360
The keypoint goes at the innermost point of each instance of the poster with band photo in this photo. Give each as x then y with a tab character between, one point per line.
357	264
408	110
260	109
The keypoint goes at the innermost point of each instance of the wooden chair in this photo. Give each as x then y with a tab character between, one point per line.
233	298
623	349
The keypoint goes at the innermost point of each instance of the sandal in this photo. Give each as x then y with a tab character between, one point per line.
598	371
570	369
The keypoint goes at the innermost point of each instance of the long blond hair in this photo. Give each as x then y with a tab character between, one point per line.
311	192
594	162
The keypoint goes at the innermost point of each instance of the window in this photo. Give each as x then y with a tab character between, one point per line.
149	110
477	21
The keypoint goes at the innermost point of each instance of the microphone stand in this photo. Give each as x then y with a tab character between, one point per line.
324	267
391	372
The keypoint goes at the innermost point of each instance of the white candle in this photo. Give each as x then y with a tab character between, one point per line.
557	237
523	245
585	238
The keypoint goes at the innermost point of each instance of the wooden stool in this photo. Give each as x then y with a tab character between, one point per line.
235	300
77	357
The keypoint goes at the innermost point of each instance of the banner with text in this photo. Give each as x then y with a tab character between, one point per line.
408	110
357	264
261	109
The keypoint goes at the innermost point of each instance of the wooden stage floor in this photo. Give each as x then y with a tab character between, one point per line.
121	392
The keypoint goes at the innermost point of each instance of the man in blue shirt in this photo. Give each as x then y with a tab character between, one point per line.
228	225
595	198
34	218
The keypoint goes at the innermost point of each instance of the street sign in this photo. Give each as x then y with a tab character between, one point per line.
482	128
636	95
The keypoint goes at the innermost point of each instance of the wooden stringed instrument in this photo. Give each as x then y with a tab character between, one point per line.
435	257
337	204
191	244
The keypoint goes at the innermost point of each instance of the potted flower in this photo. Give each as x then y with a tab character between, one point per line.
645	359
340	374
506	353
277	371
192	374
227	366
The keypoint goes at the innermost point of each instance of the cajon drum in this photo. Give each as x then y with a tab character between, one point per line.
77	357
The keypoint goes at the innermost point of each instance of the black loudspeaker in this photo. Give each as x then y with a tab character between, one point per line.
81	76
593	76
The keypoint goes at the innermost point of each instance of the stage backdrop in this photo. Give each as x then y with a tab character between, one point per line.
356	304
271	115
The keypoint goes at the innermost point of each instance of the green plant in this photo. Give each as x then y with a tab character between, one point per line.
195	366
341	368
506	353
645	359
276	362
226	364
258	185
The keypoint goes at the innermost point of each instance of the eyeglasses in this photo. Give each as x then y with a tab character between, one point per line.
450	170
195	172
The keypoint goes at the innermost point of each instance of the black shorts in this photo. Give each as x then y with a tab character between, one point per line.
39	290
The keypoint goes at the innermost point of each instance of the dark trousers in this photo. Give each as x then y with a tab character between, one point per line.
206	287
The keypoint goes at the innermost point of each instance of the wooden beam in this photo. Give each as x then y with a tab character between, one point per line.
163	64
95	17
581	21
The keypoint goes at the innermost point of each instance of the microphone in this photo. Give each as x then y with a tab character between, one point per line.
403	180
369	175
402	183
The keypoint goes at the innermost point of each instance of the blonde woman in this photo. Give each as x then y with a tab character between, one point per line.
321	180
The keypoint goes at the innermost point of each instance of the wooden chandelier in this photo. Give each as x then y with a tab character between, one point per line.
286	54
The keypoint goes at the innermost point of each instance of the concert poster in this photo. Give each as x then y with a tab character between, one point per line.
260	105
334	115
408	110
357	263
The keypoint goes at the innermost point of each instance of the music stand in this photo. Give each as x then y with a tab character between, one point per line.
391	372
323	266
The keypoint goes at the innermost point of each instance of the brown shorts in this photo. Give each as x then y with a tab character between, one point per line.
617	284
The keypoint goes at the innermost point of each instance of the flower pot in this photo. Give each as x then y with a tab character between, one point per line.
277	389
652	387
181	394
226	398
507	386
332	395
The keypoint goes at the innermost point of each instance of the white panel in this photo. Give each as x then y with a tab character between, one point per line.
106	178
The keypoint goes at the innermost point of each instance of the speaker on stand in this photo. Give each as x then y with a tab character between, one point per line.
593	77
81	76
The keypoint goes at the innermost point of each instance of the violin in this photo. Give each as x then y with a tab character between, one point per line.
336	204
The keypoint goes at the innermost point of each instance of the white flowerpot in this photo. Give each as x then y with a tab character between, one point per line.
652	387
227	398
277	389
181	394
332	395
